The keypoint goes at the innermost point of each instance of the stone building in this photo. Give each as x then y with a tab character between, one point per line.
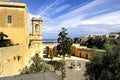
84	53
76	49
14	22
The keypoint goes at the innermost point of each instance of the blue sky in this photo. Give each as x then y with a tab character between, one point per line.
79	17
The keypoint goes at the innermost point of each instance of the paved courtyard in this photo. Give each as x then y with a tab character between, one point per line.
70	73
75	74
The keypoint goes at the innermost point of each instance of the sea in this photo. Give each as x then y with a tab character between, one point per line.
50	41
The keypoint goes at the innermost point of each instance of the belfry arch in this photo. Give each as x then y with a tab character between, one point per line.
37	28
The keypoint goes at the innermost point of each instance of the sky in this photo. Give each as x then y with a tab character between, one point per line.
79	17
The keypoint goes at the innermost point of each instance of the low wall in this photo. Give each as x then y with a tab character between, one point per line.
53	45
12	60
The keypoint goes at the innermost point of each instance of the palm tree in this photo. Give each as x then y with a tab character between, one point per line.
2	35
2	41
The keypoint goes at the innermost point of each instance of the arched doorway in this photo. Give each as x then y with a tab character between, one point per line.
86	56
80	54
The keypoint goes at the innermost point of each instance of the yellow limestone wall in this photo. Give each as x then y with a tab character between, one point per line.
83	53
18	33
9	63
77	50
18	30
36	48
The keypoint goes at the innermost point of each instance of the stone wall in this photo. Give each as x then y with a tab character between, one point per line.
84	52
12	60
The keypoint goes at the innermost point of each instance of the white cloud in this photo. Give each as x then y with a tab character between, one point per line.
82	30
110	18
79	11
61	8
91	9
49	7
98	16
31	15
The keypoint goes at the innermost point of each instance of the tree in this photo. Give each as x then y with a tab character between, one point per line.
59	50
99	43
51	55
64	42
4	42
90	42
64	47
76	40
2	35
104	66
94	42
83	43
37	66
93	68
60	66
68	46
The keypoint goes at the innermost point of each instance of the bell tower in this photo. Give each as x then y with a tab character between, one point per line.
36	37
37	26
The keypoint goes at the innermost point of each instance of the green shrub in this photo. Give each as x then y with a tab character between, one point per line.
59	66
37	66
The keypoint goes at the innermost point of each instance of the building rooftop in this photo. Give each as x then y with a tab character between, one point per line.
8	3
35	18
35	76
85	48
13	4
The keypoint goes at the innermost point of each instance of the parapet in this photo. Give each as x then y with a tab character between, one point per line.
13	4
36	19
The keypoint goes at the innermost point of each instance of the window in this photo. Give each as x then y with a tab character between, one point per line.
9	19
